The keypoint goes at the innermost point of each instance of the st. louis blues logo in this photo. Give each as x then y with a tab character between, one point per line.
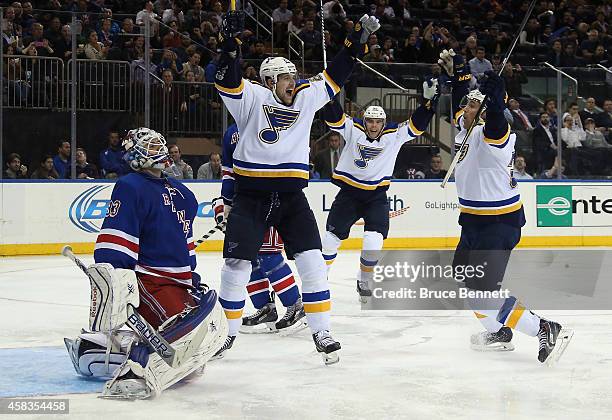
278	119
367	153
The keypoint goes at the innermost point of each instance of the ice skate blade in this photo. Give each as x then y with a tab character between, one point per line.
492	347
266	328
293	329
330	358
563	340
127	389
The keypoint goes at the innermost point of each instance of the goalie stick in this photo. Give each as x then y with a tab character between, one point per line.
144	330
219	227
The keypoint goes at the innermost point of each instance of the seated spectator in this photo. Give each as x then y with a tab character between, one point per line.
588	46
600	56
61	162
410	53
14	168
258	51
375	55
555	56
45	170
282	16
38	41
124	38
195	16
172	39
531	34
193	65
105	35
179	168
550	107
553	172
515	79
568	58
175	13
147	13
604	119
572	136
297	22
589	110
479	64
326	160
435	170
572	111
54	31
111	159
544	142
520	167
212	168
84	169
63	46
311	38
520	119
95	50
595	139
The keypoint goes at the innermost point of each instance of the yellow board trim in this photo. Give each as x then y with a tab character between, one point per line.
233	91
515	316
317	307
233	314
489	212
331	82
272	174
442	242
479	316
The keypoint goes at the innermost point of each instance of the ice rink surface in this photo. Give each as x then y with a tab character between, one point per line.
393	364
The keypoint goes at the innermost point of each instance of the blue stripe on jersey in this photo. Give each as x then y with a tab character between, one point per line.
500	203
230	304
361	181
251	165
316	296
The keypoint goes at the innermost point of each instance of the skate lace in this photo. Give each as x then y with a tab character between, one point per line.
258	313
324	338
543	337
290	312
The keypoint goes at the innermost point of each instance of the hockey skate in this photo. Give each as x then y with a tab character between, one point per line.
294	319
229	342
363	288
554	339
127	389
262	321
497	341
327	347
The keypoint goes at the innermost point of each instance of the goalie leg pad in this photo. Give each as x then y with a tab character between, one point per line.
97	354
111	290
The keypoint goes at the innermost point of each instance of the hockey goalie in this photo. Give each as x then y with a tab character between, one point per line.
143	278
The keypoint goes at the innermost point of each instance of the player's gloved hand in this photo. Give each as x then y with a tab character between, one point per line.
357	40
232	26
454	66
494	88
219	210
431	92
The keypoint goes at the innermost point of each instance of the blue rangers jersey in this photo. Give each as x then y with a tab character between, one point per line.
148	228
230	139
485	185
367	164
273	152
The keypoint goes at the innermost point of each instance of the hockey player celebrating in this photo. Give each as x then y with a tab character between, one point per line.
271	169
363	174
270	268
144	276
491	212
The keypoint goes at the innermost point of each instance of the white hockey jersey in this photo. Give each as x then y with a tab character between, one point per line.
366	164
483	175
275	138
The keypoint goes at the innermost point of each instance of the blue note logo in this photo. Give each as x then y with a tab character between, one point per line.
279	119
89	209
367	154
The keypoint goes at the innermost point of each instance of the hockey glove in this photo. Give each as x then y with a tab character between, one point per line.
357	41
232	26
219	209
431	92
494	88
454	66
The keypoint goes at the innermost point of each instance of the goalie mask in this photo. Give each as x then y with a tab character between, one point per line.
273	67
146	149
374	129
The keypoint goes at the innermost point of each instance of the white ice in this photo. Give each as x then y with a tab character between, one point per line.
400	364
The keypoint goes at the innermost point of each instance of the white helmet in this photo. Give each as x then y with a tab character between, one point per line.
272	67
473	95
146	148
376	112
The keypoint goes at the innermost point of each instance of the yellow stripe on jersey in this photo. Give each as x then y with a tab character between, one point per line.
355	184
498	141
414	129
514	317
272	174
457	115
300	88
233	91
331	82
492	212
359	126
337	123
317	307
388	131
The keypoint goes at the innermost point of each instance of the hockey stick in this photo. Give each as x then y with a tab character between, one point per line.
140	326
392	214
381	75
219	227
453	164
323	38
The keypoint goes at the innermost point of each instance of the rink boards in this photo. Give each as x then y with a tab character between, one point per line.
40	217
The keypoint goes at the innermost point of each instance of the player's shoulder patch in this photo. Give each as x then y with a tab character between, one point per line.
316	78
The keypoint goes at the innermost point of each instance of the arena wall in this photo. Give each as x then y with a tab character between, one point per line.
40	217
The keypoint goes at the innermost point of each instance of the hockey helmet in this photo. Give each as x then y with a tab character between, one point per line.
375	112
473	95
146	148
272	67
